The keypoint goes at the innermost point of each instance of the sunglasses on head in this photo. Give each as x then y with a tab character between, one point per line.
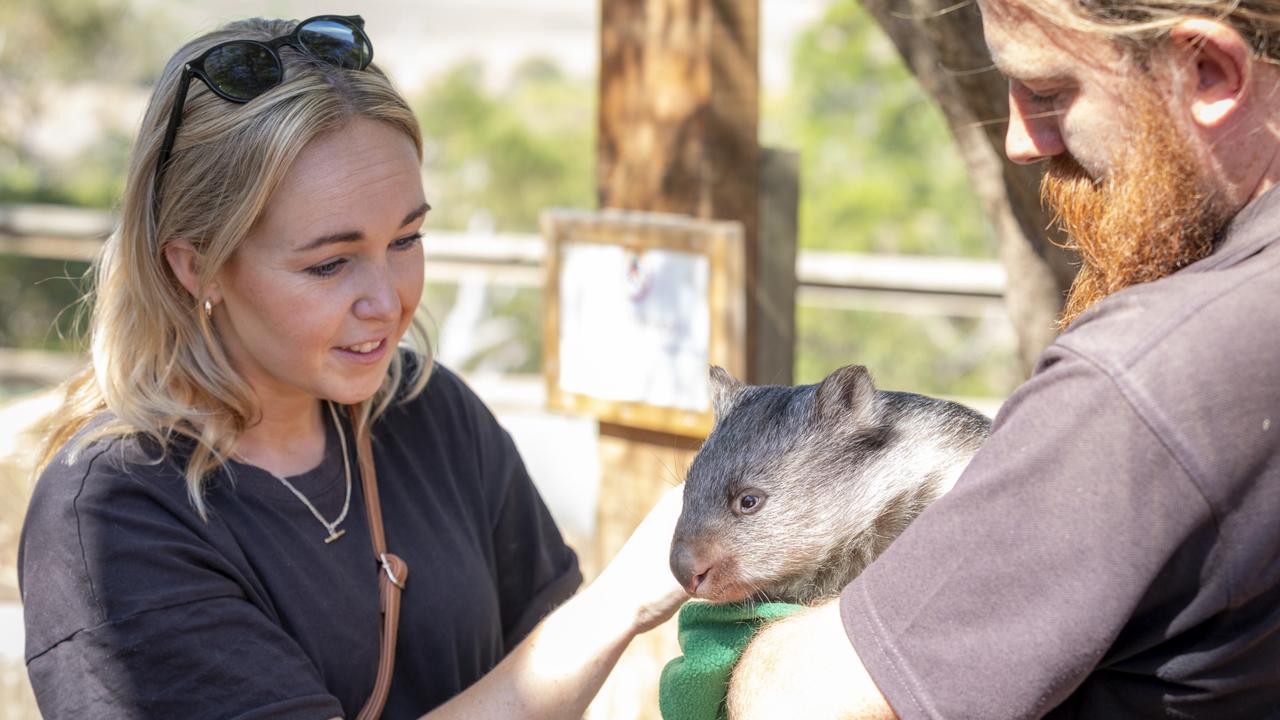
241	70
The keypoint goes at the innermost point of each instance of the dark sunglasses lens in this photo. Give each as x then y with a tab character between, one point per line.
243	70
335	42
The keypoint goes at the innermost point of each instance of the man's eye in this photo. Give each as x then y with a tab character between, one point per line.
1043	97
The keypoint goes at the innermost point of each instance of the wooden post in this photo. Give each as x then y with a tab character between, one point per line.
678	122
774	294
679	113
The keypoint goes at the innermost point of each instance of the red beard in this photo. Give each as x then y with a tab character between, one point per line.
1151	216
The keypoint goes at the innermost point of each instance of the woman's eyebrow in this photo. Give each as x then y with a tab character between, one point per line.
341	237
418	212
355	235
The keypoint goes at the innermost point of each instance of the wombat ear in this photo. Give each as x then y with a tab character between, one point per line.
846	392
724	390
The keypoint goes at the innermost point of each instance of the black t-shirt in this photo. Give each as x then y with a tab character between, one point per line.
135	607
1113	551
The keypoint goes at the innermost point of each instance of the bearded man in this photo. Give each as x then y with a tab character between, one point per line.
1114	549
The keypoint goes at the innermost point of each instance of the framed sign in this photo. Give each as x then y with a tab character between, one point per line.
638	306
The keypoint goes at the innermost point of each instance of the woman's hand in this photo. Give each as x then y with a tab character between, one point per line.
639	576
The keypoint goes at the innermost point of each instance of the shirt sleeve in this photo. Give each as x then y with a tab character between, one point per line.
1004	595
535	570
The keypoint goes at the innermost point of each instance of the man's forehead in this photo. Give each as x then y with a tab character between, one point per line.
1025	44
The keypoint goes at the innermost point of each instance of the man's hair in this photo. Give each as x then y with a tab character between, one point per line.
1141	23
158	367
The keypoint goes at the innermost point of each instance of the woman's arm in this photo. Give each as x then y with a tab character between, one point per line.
559	668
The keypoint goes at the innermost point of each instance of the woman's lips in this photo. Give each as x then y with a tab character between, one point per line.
366	352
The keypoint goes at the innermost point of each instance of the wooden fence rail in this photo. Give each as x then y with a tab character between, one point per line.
893	283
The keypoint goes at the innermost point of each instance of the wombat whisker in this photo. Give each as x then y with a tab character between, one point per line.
671	478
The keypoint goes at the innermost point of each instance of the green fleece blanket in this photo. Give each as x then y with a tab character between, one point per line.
712	637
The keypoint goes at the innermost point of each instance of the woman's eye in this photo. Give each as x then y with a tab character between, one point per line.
326	269
405	243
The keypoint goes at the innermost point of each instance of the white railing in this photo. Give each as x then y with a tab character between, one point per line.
835	280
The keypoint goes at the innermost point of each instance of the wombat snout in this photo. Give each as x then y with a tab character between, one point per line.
690	571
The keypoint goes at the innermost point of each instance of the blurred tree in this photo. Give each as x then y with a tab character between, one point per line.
943	45
46	48
879	170
500	158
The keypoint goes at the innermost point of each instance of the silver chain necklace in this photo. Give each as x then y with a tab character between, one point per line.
332	527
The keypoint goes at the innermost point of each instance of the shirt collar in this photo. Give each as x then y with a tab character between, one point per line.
1251	230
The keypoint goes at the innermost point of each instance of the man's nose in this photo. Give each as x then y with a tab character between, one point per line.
378	298
1032	136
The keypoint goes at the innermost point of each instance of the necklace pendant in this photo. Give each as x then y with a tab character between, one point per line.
334	535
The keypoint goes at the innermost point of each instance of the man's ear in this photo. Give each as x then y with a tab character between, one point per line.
1221	70
184	260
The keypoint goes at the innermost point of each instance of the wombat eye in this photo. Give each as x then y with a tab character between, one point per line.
748	501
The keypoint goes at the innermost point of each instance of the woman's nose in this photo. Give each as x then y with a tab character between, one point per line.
1032	136
378	298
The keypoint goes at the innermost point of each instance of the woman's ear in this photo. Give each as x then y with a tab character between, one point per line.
184	260
1221	66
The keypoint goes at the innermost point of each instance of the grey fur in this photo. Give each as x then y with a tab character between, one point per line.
842	467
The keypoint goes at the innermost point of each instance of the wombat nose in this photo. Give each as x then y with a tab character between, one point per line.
689	571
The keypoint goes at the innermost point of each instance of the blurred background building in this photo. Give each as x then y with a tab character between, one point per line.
896	269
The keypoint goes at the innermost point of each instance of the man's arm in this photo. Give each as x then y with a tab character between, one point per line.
804	666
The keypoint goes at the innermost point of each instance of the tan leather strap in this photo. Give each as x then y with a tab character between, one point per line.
392	573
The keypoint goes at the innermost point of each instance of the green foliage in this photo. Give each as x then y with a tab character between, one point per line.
511	154
47	46
94	178
879	170
41	300
880	173
923	354
65	40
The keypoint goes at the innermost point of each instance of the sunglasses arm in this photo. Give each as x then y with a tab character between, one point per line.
175	117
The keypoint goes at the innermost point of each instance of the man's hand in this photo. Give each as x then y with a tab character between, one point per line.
803	666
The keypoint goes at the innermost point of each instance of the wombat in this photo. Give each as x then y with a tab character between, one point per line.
797	489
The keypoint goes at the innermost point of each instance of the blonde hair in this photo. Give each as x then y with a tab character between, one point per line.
158	368
1140	24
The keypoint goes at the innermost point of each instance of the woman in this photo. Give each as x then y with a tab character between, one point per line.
197	544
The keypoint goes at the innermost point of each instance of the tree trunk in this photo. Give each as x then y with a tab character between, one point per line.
943	46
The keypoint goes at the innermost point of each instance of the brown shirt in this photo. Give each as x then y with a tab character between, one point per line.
1114	549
